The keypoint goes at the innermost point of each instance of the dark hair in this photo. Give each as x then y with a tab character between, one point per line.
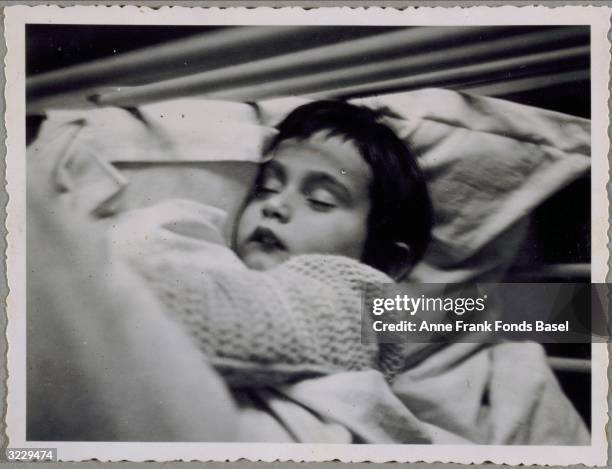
401	208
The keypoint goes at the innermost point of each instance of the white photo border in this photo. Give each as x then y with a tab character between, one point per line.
16	17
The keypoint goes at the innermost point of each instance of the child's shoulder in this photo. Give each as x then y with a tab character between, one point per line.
327	267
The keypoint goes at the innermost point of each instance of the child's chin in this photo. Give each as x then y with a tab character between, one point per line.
262	261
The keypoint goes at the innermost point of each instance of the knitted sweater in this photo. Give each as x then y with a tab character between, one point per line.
297	320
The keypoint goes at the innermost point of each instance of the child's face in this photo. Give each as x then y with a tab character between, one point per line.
313	197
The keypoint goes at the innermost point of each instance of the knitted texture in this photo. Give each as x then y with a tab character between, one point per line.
300	319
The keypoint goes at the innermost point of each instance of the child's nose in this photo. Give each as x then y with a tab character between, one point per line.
278	208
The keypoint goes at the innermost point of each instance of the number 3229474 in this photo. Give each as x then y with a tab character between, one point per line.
13	454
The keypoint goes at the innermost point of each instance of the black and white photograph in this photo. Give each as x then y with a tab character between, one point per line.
201	202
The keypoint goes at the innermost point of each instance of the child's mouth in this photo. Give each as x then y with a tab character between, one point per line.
267	239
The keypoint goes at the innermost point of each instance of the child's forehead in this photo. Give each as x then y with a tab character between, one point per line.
322	149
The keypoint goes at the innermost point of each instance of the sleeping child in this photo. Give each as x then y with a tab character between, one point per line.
339	202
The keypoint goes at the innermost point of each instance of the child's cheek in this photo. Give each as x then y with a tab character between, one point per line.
246	223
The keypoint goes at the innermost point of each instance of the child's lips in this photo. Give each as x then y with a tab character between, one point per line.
266	238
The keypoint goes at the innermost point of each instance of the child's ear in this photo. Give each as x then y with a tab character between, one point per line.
401	261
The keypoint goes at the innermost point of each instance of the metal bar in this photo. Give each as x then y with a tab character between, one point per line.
260	79
318	83
527	84
573	365
576	270
459	74
308	61
168	58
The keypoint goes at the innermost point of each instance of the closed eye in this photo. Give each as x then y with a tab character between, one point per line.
263	192
321	199
320	205
268	184
326	190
